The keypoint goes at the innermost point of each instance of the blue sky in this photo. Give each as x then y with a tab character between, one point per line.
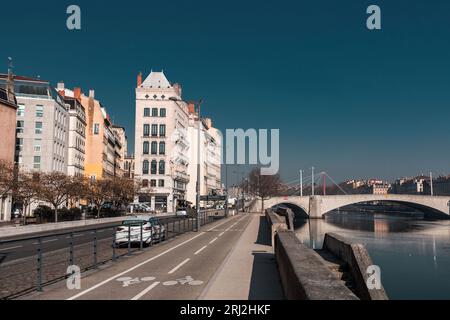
352	102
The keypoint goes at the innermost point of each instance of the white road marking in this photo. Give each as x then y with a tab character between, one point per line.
200	250
4	249
221	234
141	294
45	241
132	268
179	266
219	224
213	240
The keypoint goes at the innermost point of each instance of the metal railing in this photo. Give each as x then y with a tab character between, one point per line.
30	263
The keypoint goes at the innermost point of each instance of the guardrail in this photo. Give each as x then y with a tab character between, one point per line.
30	263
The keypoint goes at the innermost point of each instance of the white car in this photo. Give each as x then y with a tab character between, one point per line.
181	213
151	229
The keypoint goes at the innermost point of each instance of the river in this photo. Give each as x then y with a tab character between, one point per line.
413	253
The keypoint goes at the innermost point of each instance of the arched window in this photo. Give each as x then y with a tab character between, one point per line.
154	147
145	183
154	165
162	148
146	147
162	167
145	167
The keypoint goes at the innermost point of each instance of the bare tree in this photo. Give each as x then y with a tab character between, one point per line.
77	190
27	190
55	188
7	175
263	187
123	191
99	192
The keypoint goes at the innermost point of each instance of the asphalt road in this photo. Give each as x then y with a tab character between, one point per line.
20	247
178	269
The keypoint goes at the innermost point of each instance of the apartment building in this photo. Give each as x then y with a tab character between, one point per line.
8	108
42	127
161	142
77	132
121	149
210	156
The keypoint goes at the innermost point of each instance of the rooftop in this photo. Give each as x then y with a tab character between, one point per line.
156	80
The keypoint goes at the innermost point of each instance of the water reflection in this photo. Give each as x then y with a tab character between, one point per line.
414	254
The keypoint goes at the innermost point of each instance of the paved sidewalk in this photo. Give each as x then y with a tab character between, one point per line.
249	272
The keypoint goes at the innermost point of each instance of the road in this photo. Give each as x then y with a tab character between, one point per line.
18	247
177	269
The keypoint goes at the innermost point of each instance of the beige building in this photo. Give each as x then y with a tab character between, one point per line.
77	132
161	142
8	107
42	127
121	149
210	157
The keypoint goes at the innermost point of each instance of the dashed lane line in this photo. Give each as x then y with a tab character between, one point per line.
132	268
200	250
144	292
141	264
179	266
213	240
10	248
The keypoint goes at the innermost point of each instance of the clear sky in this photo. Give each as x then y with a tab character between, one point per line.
352	102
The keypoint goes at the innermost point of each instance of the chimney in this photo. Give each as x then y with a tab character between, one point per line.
92	94
139	79
77	93
61	89
191	107
178	88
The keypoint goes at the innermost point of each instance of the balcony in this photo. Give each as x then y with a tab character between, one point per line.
181	176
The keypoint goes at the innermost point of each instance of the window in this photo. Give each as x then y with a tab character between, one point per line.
37	162
146	112
146	130
21	110
38	128
153	183
162	112
162	130
19	144
37	145
39	111
146	147
145	167
96	128
161	183
145	183
154	112
20	125
162	148
162	167
154	130
154	164
154	147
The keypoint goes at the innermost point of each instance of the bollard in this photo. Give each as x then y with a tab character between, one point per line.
39	265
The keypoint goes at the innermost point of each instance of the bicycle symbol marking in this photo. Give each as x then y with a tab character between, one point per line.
127	281
186	280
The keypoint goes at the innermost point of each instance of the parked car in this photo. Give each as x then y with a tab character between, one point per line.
151	229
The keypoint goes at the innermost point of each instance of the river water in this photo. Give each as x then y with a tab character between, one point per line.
413	253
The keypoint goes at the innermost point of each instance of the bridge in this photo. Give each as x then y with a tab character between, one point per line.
317	206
